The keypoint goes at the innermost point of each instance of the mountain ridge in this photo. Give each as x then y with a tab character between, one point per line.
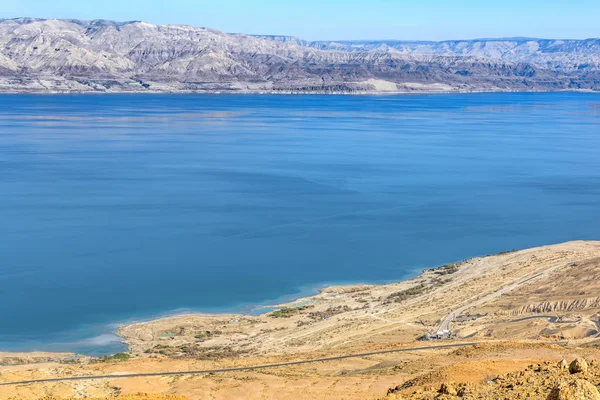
73	55
556	54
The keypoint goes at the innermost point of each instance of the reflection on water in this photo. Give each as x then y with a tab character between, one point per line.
124	207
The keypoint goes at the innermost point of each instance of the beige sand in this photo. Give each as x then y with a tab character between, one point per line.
516	302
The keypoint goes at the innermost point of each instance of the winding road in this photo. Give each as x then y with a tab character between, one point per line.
236	369
448	319
445	325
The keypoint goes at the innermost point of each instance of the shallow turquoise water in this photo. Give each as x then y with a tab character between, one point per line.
123	207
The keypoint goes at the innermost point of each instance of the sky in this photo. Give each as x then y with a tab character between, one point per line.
341	19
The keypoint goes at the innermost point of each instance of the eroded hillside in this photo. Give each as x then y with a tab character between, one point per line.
74	55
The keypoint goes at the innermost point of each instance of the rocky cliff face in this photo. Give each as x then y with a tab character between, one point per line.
558	55
75	55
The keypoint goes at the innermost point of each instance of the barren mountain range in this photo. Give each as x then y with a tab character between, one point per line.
553	54
38	55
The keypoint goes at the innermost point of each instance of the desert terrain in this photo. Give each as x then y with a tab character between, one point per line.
512	317
103	56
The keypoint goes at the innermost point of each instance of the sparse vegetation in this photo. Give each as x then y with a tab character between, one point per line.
206	335
447	269
196	351
437	282
331	311
114	358
71	361
500	253
403	295
287	312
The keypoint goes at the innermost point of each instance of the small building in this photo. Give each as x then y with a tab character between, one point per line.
444	334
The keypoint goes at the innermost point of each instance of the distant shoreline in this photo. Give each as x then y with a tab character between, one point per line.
297	93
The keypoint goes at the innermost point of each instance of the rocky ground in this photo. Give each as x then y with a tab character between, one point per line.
548	380
492	369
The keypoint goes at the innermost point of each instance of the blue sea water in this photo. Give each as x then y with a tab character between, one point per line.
116	208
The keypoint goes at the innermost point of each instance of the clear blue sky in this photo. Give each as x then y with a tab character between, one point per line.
342	19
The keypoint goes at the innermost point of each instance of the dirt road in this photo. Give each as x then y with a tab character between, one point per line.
445	324
249	368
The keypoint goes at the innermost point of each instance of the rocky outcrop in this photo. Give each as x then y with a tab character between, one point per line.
555	306
574	390
579	365
540	381
76	55
562	364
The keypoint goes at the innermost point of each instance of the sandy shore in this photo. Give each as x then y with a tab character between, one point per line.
341	316
469	298
527	307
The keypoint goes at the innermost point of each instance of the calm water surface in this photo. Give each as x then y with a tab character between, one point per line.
125	207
